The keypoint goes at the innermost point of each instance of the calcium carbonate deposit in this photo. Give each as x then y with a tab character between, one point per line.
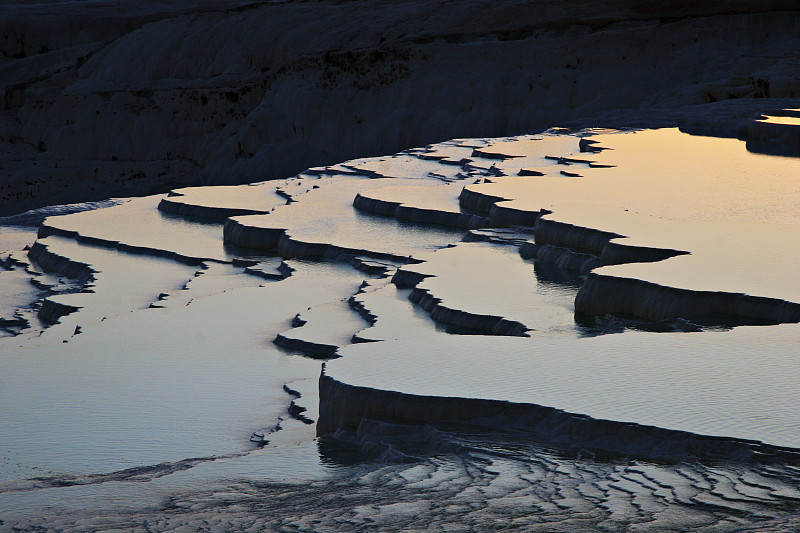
505	325
495	325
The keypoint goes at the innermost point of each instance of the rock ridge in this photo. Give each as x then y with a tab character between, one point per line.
344	406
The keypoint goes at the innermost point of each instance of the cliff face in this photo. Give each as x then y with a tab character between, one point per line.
114	99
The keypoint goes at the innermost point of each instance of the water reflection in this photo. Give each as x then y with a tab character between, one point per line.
195	375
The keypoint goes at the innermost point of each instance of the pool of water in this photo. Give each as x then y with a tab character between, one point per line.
153	390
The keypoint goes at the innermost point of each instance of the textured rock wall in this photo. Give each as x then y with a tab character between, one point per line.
600	295
347	407
417	214
486	324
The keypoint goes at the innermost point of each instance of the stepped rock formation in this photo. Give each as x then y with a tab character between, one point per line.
440	342
590	323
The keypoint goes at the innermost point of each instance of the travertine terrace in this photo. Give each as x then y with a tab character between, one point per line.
310	266
456	287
